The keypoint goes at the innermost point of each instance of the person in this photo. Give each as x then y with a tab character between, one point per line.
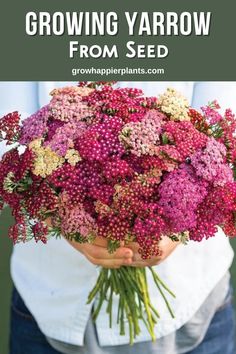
49	314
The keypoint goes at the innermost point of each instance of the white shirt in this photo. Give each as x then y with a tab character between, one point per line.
54	279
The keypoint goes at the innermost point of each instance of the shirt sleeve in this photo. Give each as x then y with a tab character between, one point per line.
223	92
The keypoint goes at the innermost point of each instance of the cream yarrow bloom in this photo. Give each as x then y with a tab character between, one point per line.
73	156
46	161
174	104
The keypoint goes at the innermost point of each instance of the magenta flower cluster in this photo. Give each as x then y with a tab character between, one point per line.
64	136
35	126
181	193
209	163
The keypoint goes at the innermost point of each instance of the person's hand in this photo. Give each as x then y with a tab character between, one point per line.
128	255
166	246
98	254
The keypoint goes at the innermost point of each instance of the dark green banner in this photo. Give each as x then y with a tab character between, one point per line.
109	40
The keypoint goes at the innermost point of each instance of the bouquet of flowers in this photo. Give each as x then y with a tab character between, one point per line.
108	162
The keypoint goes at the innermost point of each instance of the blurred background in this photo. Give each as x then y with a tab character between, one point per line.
6	284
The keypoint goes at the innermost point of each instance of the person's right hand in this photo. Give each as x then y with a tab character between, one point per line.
98	254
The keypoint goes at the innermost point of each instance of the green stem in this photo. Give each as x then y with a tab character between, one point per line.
143	286
126	304
130	321
109	306
131	299
154	274
122	320
96	288
134	303
102	296
164	297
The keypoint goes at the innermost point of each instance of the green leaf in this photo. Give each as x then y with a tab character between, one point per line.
113	245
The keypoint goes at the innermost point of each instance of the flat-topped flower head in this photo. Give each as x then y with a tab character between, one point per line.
65	136
10	128
180	193
174	104
35	126
141	138
73	157
72	91
46	161
67	104
74	219
210	163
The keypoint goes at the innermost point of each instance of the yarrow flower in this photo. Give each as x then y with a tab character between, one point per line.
209	164
125	103
174	104
100	141
185	137
42	200
199	121
10	128
181	192
46	161
64	137
217	209
53	125
67	105
143	137
224	132
40	232
75	220
35	127
73	157
169	155
14	170
148	233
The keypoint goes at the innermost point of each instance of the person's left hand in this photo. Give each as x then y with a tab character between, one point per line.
166	246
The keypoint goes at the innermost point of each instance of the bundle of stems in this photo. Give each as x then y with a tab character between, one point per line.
130	284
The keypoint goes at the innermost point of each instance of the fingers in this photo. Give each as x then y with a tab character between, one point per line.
99	252
103	242
134	246
138	261
128	255
146	263
122	257
109	263
98	249
166	247
100	241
